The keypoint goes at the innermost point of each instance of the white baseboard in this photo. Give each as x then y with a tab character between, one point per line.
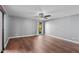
6	43
64	39
21	36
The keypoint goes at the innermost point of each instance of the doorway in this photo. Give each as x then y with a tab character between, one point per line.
41	28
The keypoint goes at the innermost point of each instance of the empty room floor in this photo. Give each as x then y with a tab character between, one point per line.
40	44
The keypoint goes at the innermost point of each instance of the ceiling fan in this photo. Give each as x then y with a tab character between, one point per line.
42	15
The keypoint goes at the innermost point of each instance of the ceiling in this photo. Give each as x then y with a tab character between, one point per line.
31	11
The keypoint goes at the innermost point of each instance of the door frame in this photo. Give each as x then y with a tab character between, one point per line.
2	11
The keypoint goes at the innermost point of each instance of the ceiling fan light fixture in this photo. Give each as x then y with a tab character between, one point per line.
41	15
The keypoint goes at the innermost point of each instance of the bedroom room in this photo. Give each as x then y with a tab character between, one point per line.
39	28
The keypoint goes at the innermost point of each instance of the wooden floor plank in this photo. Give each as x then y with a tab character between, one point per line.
40	44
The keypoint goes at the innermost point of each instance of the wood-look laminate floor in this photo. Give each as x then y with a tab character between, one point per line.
40	44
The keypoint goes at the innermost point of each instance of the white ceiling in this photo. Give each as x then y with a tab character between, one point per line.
30	11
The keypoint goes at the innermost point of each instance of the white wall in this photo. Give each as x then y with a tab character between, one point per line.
6	29
21	27
0	31
66	27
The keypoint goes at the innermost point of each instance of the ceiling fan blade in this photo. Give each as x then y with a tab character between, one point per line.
47	16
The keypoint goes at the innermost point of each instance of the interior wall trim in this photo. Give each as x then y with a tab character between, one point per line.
64	39
2	10
2	31
21	36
